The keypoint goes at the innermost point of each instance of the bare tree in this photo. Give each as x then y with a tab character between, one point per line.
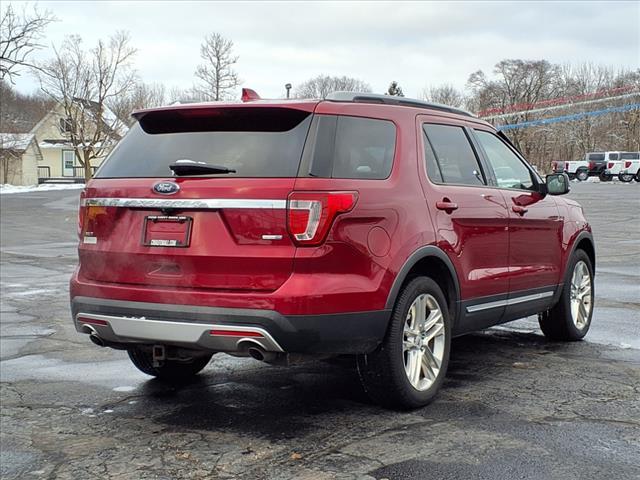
20	112
323	85
445	94
216	74
84	82
515	82
20	36
141	95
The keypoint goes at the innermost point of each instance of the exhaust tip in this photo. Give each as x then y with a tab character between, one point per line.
256	353
96	340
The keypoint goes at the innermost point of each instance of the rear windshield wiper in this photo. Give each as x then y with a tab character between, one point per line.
189	167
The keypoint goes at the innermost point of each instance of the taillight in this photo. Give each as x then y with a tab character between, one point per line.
610	165
592	165
566	166
627	164
81	214
94	221
311	214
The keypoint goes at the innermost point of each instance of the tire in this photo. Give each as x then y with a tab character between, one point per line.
384	374
638	176
605	177
169	370
564	322
582	175
626	177
572	176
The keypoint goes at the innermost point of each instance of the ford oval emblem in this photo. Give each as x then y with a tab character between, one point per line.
166	188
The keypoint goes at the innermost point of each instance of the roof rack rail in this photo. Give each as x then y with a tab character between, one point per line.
360	97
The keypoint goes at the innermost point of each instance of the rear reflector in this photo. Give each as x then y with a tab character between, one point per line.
92	321
311	214
234	333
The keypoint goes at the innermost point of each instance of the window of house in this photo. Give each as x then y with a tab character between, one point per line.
65	125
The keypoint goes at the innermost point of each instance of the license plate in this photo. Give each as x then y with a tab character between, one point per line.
166	231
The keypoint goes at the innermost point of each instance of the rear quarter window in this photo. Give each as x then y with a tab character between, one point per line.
349	147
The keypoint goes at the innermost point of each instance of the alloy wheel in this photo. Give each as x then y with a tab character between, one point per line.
580	295
423	342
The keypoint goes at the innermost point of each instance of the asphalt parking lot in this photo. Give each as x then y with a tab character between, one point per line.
513	405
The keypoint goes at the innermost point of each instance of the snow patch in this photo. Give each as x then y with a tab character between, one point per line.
37	291
124	389
8	188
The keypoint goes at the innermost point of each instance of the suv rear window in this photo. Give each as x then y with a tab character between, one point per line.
349	147
256	142
596	157
630	156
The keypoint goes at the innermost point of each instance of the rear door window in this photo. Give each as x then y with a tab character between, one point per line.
349	147
255	142
455	161
613	156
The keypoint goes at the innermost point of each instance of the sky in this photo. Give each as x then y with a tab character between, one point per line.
417	44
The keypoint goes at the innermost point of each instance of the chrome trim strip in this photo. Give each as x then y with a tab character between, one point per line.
509	301
185	203
141	328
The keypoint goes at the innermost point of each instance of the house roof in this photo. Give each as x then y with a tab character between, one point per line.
108	117
15	141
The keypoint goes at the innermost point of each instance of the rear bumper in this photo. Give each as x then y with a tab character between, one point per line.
213	328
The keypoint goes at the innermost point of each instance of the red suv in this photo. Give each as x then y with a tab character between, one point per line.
361	224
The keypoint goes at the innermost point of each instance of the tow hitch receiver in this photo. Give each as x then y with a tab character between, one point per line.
159	355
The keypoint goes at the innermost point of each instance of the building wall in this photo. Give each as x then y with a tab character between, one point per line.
52	156
23	169
30	165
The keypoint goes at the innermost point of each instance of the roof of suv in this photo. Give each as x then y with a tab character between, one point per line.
310	104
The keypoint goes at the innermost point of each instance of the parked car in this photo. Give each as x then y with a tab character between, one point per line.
362	224
593	165
630	167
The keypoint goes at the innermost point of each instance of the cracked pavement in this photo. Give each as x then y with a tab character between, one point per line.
513	405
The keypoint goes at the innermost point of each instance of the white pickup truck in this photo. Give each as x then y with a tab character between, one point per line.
629	166
593	165
612	169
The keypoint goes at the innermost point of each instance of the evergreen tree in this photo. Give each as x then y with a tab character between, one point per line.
395	90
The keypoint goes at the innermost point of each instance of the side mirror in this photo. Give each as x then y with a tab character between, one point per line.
557	183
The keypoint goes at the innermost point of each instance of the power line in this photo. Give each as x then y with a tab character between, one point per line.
568	118
556	101
559	107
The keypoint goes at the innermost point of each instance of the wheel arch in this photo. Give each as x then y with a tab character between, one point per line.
583	241
432	262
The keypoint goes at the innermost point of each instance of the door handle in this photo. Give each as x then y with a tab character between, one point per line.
446	205
519	210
